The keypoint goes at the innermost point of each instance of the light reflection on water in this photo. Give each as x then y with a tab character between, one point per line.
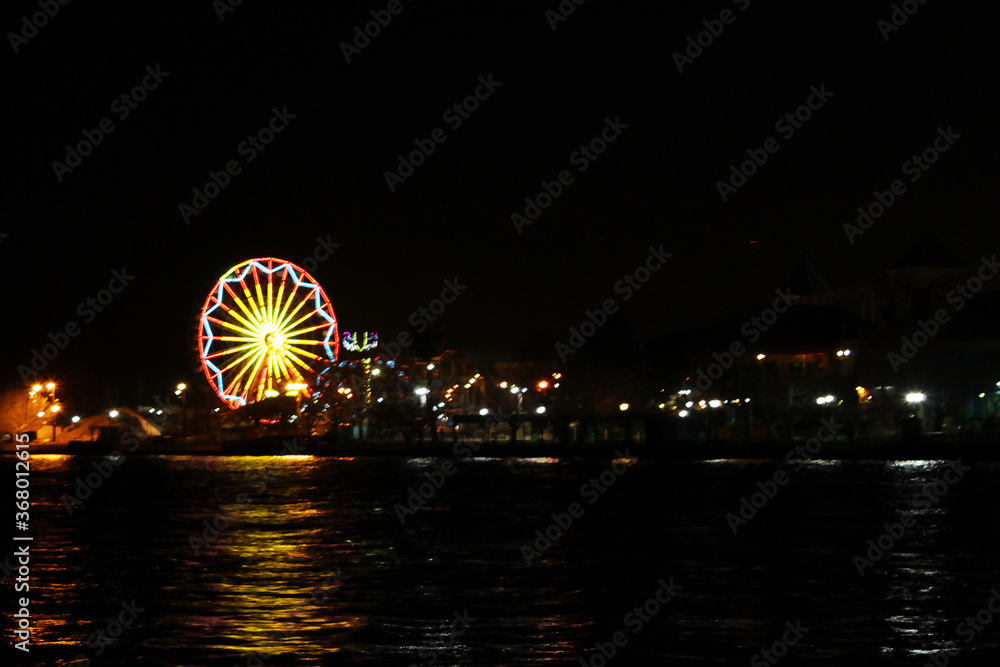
267	582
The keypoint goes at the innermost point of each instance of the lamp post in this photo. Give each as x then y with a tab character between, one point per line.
182	392
49	401
55	410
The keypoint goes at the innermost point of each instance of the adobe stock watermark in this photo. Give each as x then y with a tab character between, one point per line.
122	106
581	158
223	7
249	148
99	640
463	621
87	309
321	252
363	35
563	11
928	495
752	329
758	157
635	621
968	630
779	649
422	317
898	17
714	28
454	115
591	491
749	507
629	284
929	328
31	25
914	168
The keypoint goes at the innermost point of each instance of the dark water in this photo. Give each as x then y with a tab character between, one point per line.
318	569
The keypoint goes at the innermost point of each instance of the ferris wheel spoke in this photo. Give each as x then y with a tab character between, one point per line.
249	299
289	370
300	341
324	325
260	294
283	324
235	315
246	311
302	319
246	357
281	292
278	369
298	362
229	325
232	350
236	339
246	366
253	374
305	353
280	315
270	294
264	381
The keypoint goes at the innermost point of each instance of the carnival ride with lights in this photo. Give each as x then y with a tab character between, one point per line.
267	329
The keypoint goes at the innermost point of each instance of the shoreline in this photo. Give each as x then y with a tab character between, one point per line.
886	450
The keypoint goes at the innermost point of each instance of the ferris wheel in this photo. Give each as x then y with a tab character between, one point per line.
266	329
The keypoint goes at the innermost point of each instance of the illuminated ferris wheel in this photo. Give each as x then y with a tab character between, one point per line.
267	328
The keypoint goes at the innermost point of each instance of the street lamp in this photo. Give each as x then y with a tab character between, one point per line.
514	389
55	408
181	391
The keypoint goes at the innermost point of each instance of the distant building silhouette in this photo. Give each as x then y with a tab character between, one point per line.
919	282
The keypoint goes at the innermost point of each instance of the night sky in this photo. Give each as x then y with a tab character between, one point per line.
323	175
